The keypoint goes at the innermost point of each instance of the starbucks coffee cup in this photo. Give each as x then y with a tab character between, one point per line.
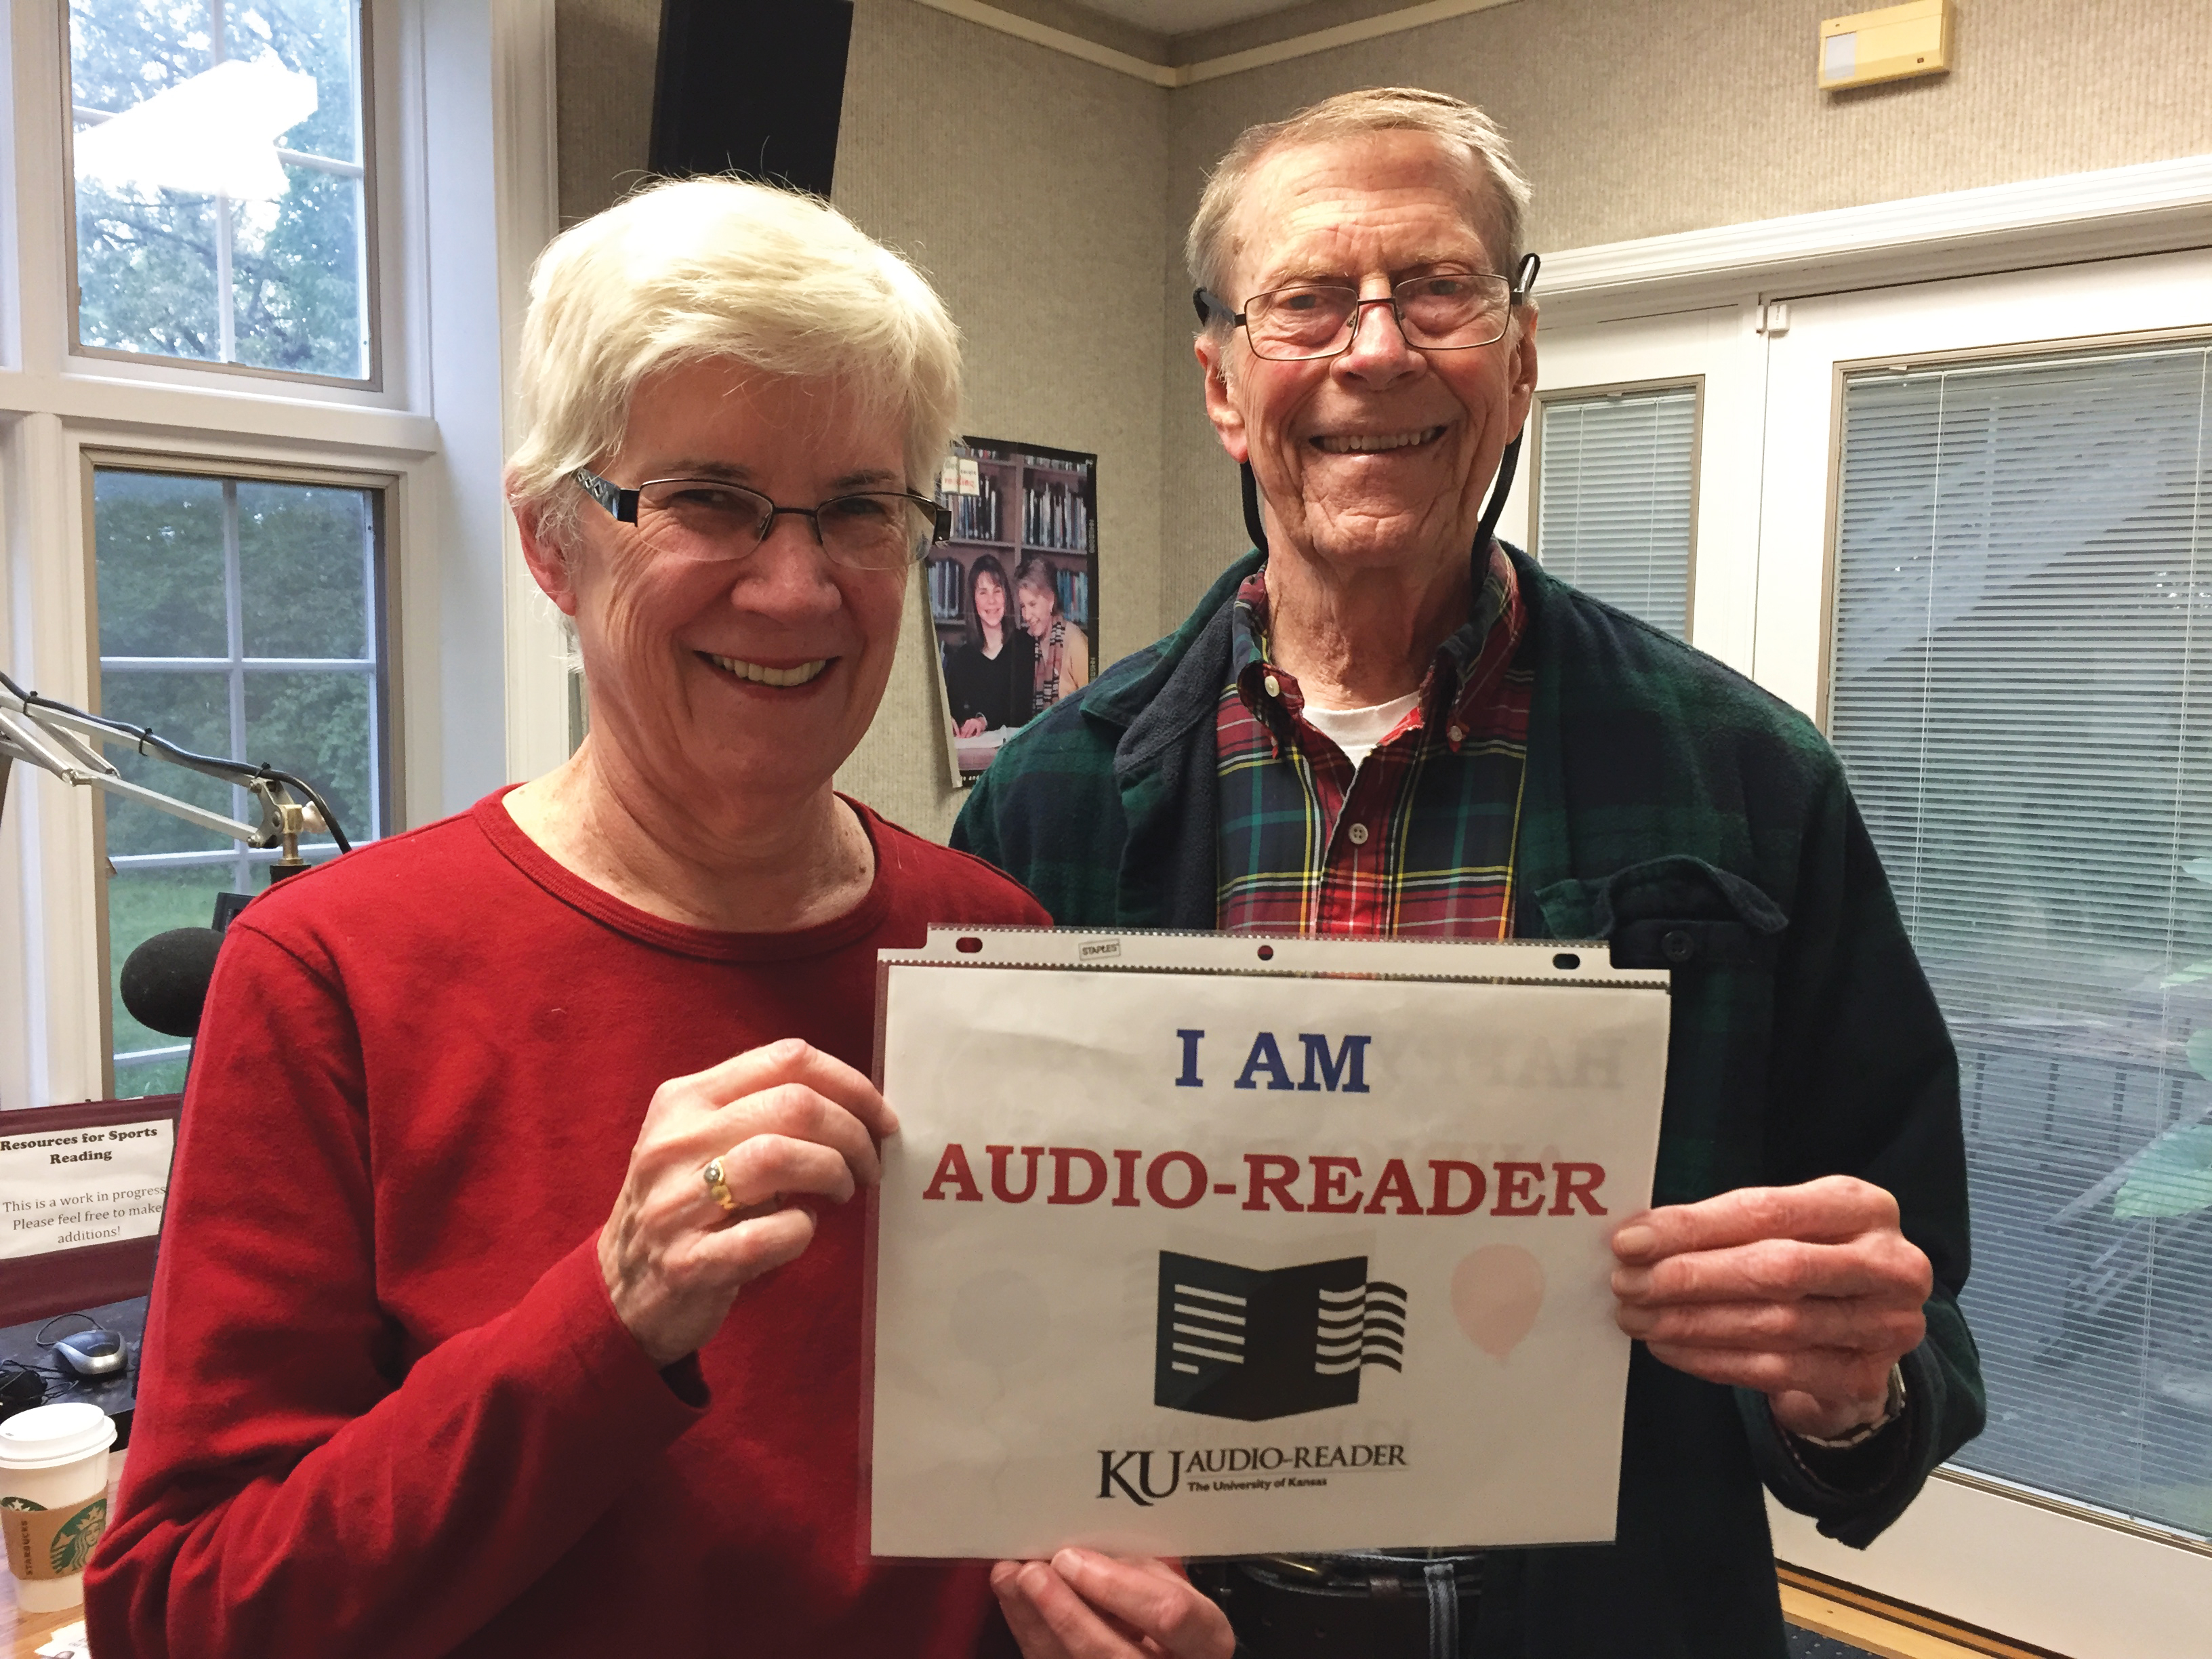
53	1500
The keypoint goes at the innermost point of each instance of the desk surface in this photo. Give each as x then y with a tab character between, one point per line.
117	1396
22	1634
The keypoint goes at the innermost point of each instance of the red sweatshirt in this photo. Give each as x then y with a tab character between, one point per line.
385	1407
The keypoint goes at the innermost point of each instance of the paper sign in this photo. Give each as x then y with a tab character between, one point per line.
66	1187
1204	1244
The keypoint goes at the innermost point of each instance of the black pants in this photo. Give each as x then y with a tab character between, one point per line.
1367	1606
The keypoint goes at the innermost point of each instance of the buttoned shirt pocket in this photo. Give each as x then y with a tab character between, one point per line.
1677	912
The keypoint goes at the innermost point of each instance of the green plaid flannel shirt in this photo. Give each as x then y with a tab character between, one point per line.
1697	823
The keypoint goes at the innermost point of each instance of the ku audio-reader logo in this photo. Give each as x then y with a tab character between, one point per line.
1237	1342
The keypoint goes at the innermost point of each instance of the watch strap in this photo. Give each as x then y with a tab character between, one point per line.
1893	1408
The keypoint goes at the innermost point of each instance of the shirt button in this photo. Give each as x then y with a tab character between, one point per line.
1274	687
1456	733
1358	834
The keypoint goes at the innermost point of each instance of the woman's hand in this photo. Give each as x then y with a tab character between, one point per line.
786	1120
1083	1605
972	726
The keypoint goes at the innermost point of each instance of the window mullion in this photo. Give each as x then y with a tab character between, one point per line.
373	644
225	319
234	623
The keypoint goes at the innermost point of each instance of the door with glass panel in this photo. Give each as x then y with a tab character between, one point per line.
1639	477
1615	507
1993	583
241	617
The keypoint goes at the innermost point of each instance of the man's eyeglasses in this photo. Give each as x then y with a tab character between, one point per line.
704	521
1445	311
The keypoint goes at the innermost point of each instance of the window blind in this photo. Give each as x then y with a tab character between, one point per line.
2022	692
1616	476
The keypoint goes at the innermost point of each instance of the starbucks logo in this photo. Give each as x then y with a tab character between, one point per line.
12	1502
73	1541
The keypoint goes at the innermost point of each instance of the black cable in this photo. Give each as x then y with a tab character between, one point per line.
1253	527
42	1341
1507	464
22	1387
213	766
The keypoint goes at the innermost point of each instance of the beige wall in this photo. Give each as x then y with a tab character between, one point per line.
1027	186
605	50
1639	118
1046	199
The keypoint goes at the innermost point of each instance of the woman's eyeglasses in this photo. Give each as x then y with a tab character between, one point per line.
704	521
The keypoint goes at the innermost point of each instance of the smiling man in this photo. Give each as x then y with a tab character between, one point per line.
1383	721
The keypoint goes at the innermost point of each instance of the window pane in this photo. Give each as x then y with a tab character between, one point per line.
2023	695
304	562
192	710
262	573
146	267
138	1076
158	555
297	286
140	904
317	727
1612	499
220	181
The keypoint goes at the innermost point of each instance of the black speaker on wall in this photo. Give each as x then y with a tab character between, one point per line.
752	87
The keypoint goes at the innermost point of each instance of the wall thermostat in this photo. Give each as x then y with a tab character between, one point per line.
1888	44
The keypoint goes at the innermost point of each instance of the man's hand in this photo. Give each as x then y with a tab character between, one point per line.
1082	1605
1808	1294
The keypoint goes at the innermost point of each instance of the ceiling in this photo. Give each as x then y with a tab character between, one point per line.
1173	17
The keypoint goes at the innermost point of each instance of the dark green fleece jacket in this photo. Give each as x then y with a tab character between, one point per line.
1698	824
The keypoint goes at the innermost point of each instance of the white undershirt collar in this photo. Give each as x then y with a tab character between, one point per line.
1356	731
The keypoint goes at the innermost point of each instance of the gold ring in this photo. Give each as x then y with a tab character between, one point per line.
717	1186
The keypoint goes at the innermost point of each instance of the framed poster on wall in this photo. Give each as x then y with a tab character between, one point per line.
1013	593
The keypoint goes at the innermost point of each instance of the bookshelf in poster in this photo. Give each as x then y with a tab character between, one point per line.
1014	504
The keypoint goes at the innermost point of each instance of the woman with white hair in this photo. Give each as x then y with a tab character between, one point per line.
1063	650
510	1300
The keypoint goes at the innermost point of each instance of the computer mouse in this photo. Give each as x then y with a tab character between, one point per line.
94	1353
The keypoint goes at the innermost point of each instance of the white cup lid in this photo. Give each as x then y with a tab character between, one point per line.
46	1436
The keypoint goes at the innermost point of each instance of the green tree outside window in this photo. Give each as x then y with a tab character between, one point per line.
237	616
205	231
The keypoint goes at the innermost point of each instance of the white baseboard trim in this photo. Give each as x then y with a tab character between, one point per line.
2152	207
2035	1575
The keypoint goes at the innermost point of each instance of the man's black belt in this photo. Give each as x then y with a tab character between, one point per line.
1369	1604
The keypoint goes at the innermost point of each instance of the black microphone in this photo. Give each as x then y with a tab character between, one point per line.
165	981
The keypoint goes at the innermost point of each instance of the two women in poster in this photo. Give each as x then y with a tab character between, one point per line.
1012	592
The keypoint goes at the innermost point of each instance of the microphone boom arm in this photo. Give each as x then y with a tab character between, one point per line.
52	737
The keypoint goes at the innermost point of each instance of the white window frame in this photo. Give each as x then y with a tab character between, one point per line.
374	265
383	600
465	184
1775	315
1718	349
2058	1573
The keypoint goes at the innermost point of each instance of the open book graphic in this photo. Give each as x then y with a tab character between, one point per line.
1236	1342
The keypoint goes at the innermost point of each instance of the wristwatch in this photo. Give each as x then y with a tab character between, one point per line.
1893	1408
